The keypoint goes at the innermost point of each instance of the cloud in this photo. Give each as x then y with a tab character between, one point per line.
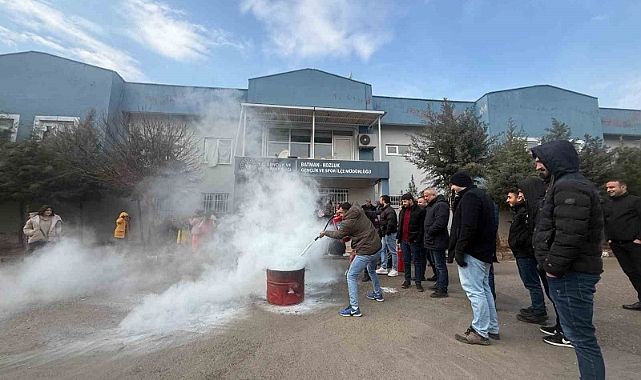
318	28
632	97
163	29
67	35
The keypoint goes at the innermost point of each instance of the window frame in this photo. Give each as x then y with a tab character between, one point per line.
333	134
217	139
397	146
224	199
38	128
16	124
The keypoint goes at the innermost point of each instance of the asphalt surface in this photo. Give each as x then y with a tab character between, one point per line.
409	336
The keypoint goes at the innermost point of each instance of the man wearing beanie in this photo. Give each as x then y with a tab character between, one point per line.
567	245
410	237
472	244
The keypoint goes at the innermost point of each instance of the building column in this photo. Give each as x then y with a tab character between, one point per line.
311	150
380	141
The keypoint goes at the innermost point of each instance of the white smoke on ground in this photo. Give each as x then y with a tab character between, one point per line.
276	219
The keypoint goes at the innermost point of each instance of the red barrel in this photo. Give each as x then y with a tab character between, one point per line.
401	267
285	287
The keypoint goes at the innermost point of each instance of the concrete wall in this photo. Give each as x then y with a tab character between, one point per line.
534	107
39	84
621	122
406	111
401	170
310	87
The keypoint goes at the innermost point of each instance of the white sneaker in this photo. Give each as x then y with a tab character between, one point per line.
381	271
392	273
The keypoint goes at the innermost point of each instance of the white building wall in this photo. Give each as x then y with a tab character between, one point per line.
401	170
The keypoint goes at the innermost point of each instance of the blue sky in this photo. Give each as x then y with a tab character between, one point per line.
459	49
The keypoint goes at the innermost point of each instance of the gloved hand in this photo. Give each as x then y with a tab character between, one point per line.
458	256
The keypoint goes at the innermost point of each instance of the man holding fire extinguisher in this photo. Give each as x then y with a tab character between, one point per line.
366	252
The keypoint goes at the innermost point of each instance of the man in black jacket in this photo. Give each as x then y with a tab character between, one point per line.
623	231
436	238
387	232
410	236
567	243
520	242
472	243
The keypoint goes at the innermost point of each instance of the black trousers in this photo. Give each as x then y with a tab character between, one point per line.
629	257
546	287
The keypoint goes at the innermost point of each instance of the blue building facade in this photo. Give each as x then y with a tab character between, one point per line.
314	114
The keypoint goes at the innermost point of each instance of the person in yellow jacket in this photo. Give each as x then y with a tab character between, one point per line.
122	227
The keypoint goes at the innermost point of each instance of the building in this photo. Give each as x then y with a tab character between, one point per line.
351	140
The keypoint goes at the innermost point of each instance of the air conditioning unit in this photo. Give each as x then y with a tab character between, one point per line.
366	141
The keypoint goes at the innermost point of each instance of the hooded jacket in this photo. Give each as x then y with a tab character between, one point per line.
122	226
33	231
417	218
437	217
473	226
357	226
388	221
520	238
569	229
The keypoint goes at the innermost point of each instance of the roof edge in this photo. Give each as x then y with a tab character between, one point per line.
309	68
424	99
537	85
620	109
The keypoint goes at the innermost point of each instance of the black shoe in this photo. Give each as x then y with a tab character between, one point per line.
366	279
419	287
433	278
432	287
526	311
494	336
532	318
439	294
405	285
558	340
634	306
549	330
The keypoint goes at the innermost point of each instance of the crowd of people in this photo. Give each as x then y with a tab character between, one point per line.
556	235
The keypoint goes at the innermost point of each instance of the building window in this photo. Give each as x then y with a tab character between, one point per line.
217	151
396	150
44	126
216	202
9	127
395	201
163	209
337	196
296	142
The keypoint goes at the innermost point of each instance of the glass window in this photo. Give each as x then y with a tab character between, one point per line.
323	137
274	149
279	134
403	149
323	151
391	149
299	150
301	135
224	151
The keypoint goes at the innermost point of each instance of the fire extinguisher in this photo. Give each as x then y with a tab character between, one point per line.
338	221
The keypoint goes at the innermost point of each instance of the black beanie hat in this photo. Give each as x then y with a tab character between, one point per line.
461	179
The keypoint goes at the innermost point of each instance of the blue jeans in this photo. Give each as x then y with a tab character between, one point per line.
573	295
491	281
413	251
475	281
530	278
355	268
440	268
389	248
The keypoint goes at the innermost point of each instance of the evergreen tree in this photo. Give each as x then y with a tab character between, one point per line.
627	167
595	161
558	131
449	142
412	187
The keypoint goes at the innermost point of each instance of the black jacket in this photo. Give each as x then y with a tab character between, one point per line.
569	229
520	239
623	218
473	226
387	220
417	217
437	217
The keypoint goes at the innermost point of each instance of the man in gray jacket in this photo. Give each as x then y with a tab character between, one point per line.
436	238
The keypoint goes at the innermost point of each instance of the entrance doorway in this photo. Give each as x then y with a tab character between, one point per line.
343	148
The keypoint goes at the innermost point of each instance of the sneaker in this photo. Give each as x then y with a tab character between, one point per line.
432	287
405	285
558	340
375	297
392	273
419	287
494	336
381	271
349	311
549	330
433	279
472	337
634	306
532	318
439	294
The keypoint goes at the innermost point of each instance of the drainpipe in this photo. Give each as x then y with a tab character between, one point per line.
380	141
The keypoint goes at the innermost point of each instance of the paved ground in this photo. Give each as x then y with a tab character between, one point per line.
408	336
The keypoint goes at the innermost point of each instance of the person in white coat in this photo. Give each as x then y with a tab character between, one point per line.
42	228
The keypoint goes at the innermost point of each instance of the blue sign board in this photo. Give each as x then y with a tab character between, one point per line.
315	168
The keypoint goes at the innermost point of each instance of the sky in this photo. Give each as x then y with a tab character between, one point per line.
455	49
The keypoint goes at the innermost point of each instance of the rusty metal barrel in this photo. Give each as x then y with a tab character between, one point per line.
285	288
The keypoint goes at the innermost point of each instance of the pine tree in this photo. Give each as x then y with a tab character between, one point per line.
558	131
